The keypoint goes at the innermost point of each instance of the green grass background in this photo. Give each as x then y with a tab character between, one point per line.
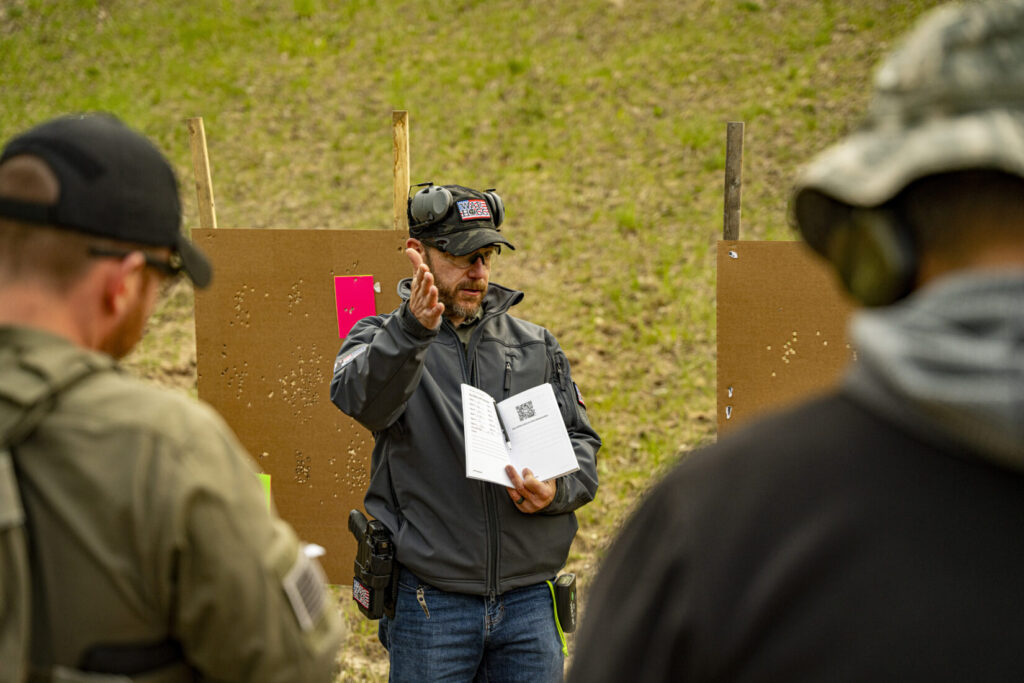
600	122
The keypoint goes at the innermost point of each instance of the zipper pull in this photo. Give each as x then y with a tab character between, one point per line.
508	375
422	600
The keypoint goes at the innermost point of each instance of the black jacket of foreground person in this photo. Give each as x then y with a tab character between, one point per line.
875	532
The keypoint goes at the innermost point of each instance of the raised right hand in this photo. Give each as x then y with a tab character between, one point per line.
423	302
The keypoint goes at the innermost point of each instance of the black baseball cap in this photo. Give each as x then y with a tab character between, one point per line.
462	221
114	183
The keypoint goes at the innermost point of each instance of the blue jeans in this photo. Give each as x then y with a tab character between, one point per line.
470	637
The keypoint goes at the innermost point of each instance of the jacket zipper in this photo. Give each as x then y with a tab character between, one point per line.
508	377
490	502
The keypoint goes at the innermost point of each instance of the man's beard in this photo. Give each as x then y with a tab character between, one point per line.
130	329
447	295
127	335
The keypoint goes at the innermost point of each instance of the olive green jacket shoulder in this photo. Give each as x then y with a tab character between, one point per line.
148	525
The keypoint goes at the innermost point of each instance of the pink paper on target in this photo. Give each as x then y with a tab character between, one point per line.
353	295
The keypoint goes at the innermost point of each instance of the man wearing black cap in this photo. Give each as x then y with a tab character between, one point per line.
473	602
874	533
134	537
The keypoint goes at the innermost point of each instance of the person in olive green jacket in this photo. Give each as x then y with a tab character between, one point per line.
131	513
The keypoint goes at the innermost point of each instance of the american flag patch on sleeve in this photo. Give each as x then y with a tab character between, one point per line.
579	395
342	361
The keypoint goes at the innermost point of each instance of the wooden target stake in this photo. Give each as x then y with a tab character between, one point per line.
400	131
733	179
201	168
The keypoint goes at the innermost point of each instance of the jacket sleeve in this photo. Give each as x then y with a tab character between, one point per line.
579	488
379	367
247	603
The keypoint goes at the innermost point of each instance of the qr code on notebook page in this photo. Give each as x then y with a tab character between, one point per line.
525	411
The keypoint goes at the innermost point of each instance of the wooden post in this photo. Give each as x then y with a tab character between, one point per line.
400	129
733	179
201	167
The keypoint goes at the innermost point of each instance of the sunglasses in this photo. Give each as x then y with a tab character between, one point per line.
466	261
172	267
169	269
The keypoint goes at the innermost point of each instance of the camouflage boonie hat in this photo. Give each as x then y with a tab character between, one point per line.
466	225
950	98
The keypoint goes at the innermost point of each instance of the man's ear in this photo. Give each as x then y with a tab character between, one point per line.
413	243
123	282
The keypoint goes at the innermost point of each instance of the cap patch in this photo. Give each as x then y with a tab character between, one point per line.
473	209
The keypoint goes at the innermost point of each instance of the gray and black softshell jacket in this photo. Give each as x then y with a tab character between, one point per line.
401	381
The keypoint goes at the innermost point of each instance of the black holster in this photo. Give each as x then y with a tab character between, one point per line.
375	574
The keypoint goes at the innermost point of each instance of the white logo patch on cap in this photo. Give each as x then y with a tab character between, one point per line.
473	209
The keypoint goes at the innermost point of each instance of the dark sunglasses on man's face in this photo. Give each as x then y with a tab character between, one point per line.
466	261
171	267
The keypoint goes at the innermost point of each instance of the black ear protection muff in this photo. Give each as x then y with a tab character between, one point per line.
496	206
432	203
874	255
429	204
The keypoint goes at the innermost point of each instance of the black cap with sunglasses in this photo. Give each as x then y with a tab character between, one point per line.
114	183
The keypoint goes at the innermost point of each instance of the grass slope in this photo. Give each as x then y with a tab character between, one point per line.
601	123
